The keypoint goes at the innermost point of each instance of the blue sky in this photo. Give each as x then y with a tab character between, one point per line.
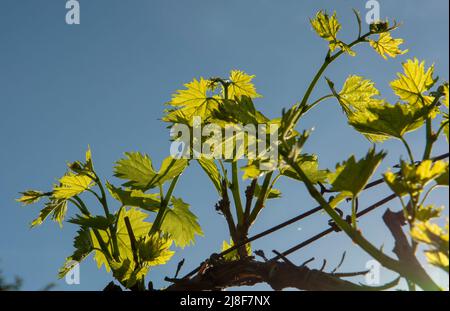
104	83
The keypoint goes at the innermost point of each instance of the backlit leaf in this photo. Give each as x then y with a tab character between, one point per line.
83	247
56	207
241	85
351	176
72	185
30	197
381	122
387	46
327	28
138	170
357	94
135	198
181	224
414	82
212	171
192	101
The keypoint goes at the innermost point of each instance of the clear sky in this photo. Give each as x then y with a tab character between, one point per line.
104	83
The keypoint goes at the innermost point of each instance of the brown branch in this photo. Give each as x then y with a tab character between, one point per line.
278	275
224	207
402	248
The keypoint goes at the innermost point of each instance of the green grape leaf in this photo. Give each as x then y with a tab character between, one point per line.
192	101
386	45
356	94
310	166
445	123
135	198
83	247
381	122
442	180
233	255
181	224
212	171
351	176
155	249
446	95
437	240
414	82
56	207
72	185
239	111
140	229
30	197
273	193
425	213
327	28
412	179
96	222
138	170
241	85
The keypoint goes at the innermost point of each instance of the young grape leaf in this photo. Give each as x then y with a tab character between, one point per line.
233	255
212	171
381	122
425	213
140	229
239	111
446	95
412	179
193	101
357	94
56	207
138	170
442	180
30	197
83	247
273	193
327	28
310	166
414	82
155	249
241	85
95	222
351	176
437	239
135	198
72	185
180	223
386	45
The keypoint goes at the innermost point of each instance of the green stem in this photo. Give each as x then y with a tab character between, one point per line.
430	136
354	212
328	60
408	149
164	204
104	203
80	204
310	106
423	281
236	192
441	128
261	198
429	140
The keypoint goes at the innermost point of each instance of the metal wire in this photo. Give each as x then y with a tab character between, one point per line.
307	214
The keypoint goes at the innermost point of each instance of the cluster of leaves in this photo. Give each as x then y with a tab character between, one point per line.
122	241
128	245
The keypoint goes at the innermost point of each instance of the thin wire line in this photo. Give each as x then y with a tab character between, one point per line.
306	214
